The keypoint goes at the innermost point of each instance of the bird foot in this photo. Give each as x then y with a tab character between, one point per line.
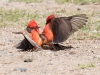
37	49
57	47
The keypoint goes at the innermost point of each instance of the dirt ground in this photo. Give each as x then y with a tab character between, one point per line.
47	62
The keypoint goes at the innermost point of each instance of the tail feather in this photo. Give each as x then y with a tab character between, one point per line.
24	44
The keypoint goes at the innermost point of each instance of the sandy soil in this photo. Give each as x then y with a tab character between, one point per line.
47	62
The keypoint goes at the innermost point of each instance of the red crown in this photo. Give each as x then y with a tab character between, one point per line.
50	17
32	24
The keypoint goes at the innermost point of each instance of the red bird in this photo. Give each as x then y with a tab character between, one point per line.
58	29
32	38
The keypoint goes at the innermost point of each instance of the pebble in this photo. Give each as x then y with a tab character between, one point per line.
72	53
78	9
28	60
1	52
20	69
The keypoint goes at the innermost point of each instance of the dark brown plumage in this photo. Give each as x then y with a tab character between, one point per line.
24	45
63	27
56	30
59	29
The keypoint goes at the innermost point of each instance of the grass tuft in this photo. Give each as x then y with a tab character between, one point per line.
16	16
82	2
86	66
21	17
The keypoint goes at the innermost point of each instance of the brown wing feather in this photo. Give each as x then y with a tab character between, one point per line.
61	30
26	35
76	21
63	27
27	42
24	44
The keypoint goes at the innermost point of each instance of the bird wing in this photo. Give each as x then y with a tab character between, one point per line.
24	44
25	34
63	27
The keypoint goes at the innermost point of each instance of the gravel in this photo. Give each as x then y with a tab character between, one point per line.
46	61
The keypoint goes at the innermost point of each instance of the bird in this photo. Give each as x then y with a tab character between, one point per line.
32	39
59	29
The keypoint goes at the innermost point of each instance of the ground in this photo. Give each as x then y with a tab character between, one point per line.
82	59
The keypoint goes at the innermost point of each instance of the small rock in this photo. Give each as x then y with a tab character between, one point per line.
28	60
94	31
50	64
78	9
72	53
56	54
1	52
20	69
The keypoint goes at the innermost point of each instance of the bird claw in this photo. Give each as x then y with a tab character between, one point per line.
57	47
37	49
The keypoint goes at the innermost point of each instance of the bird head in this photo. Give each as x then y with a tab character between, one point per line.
33	25
48	20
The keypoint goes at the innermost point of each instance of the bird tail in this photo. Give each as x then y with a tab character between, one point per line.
24	45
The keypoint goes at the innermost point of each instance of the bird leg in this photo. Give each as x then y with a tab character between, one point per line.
35	49
58	46
55	47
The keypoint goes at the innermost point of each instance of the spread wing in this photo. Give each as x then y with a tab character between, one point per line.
63	27
27	42
24	45
25	33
